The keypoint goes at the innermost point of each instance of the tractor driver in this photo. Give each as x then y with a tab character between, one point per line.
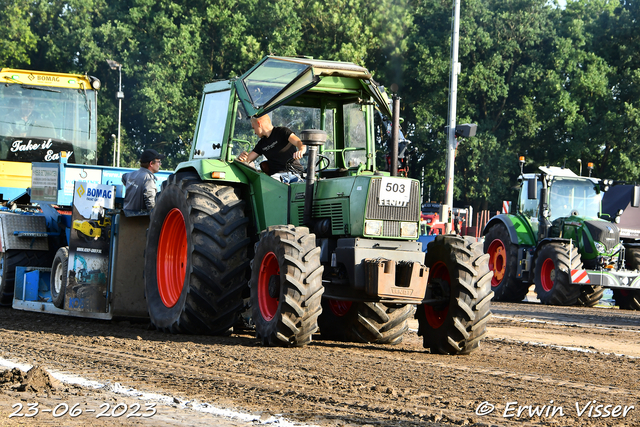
278	145
26	117
140	185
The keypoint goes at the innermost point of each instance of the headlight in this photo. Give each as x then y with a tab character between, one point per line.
373	227
409	229
600	247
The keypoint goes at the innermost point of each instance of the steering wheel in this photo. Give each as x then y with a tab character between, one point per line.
322	159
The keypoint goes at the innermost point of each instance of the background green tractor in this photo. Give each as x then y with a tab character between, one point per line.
622	204
557	240
336	251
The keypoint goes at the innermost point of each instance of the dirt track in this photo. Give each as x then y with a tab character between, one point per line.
534	355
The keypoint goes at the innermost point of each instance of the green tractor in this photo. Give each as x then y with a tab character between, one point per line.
559	240
335	251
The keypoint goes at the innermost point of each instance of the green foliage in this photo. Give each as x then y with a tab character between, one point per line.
17	41
553	84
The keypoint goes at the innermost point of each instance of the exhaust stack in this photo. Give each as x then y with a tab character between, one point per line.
312	138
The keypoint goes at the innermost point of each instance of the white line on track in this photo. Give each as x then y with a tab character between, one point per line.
194	405
576	325
560	347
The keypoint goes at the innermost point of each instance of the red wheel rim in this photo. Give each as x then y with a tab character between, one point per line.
548	274
269	267
171	261
339	308
497	261
436	317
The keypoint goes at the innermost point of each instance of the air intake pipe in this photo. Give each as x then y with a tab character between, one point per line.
312	138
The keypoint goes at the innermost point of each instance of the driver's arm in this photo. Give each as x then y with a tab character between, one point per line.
250	157
293	139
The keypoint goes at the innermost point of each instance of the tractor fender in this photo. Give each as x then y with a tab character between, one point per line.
520	232
217	170
503	219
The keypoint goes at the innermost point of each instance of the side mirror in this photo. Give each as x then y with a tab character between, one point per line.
532	188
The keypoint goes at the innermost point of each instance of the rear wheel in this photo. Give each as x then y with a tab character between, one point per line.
629	299
59	270
553	274
364	322
503	261
286	286
196	256
17	258
459	275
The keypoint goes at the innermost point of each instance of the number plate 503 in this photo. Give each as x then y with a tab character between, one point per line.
394	192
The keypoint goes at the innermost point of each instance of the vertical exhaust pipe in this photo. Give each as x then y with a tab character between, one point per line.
312	138
395	127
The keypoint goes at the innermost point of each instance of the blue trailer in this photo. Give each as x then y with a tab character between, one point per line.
35	247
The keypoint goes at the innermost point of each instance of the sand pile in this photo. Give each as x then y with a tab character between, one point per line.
36	380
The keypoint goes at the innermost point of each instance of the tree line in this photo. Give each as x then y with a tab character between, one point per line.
554	84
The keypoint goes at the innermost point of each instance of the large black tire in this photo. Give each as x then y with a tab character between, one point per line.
364	322
59	270
18	258
459	273
590	295
503	261
286	286
629	299
553	274
196	262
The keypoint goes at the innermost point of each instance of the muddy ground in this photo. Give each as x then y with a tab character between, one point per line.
573	366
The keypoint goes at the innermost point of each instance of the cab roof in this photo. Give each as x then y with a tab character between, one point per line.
276	80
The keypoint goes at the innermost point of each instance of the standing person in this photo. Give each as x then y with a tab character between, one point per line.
278	144
140	185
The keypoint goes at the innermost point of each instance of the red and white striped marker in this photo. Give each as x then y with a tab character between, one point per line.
506	207
580	276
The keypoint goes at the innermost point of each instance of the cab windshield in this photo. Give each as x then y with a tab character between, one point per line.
38	122
345	124
569	196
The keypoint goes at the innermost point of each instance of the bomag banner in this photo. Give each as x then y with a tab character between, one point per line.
87	279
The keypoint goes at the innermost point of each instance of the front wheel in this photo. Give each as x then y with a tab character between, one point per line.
364	322
553	266
459	276
590	295
286	286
